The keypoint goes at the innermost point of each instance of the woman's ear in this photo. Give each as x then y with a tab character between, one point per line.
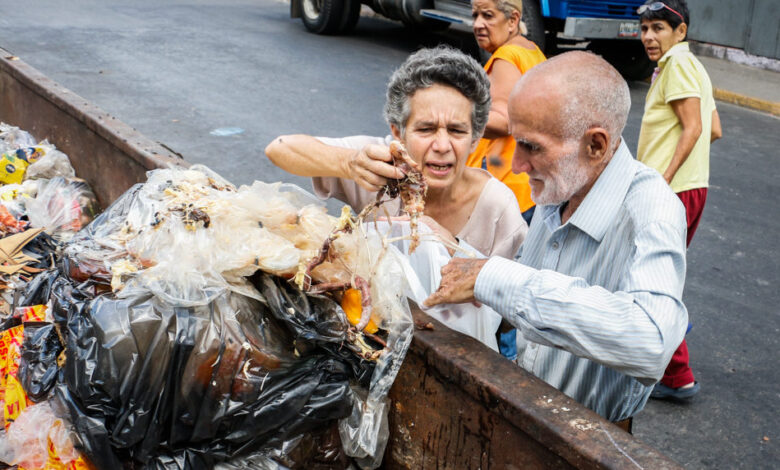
681	31
514	21
396	133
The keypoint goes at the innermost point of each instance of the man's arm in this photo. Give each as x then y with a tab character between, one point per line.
688	111
634	330
305	155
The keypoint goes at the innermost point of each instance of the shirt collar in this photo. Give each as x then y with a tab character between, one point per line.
595	213
679	48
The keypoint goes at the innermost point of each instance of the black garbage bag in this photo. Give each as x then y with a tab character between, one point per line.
38	365
154	383
316	322
45	249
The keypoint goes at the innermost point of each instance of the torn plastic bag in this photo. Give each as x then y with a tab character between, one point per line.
38	439
422	270
187	237
144	379
62	207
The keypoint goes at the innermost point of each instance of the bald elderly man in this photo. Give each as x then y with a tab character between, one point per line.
596	294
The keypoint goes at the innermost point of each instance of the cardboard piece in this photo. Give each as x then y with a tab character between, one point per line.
12	259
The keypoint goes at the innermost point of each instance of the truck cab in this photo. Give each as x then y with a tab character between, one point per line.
608	27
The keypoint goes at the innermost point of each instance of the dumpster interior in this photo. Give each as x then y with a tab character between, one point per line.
191	324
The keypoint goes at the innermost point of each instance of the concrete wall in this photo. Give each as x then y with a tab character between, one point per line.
752	25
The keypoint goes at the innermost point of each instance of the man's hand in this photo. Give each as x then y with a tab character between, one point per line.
457	282
371	166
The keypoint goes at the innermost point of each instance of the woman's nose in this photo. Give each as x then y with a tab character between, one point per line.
441	141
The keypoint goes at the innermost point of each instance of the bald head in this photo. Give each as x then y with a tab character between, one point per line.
582	92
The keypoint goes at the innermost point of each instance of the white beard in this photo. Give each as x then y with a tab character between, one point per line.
570	177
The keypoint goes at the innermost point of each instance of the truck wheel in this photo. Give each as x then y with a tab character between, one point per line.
628	57
532	17
323	16
350	17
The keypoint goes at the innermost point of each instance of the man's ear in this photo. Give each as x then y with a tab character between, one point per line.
597	144
395	131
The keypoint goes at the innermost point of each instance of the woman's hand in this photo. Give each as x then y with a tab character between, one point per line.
371	167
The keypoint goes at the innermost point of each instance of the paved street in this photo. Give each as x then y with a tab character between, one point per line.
177	70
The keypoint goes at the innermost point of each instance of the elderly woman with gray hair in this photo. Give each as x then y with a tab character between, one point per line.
438	103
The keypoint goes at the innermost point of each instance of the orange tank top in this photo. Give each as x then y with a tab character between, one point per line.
497	153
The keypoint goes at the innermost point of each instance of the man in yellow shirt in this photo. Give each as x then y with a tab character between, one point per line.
679	123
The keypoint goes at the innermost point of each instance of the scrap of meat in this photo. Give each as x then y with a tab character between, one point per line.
411	188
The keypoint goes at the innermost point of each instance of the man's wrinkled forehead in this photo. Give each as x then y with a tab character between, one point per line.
537	106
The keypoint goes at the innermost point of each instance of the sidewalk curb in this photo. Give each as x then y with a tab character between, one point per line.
766	106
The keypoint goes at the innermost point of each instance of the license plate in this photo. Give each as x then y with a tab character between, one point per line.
629	29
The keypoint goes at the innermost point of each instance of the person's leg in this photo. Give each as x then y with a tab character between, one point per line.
678	379
693	200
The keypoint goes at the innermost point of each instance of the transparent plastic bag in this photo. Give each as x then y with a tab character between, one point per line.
38	439
62	207
186	240
12	138
51	164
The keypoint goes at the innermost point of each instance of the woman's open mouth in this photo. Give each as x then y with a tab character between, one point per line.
438	169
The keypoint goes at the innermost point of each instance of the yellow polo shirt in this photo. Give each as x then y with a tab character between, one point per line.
681	76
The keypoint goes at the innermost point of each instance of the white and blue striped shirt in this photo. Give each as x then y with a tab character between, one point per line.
598	300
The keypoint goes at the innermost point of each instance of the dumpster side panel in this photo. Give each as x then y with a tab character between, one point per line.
457	404
437	426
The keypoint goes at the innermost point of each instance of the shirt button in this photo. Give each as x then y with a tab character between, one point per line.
555	245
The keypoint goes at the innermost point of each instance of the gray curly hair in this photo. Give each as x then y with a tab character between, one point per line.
441	65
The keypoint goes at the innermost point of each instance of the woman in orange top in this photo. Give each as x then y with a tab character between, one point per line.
498	29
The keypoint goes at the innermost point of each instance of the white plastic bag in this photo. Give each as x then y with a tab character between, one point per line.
423	274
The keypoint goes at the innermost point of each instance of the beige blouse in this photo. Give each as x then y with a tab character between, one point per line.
495	227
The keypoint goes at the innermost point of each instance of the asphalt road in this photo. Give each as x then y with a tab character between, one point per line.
178	70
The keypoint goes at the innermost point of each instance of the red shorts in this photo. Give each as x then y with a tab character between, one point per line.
678	372
693	200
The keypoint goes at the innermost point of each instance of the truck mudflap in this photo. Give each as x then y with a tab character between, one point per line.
454	404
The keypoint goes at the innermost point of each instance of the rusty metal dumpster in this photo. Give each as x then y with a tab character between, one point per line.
454	404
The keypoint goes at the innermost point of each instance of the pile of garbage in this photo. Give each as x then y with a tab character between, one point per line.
41	205
194	324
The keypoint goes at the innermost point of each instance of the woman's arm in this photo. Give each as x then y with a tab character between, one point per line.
716	132
503	76
688	111
305	155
